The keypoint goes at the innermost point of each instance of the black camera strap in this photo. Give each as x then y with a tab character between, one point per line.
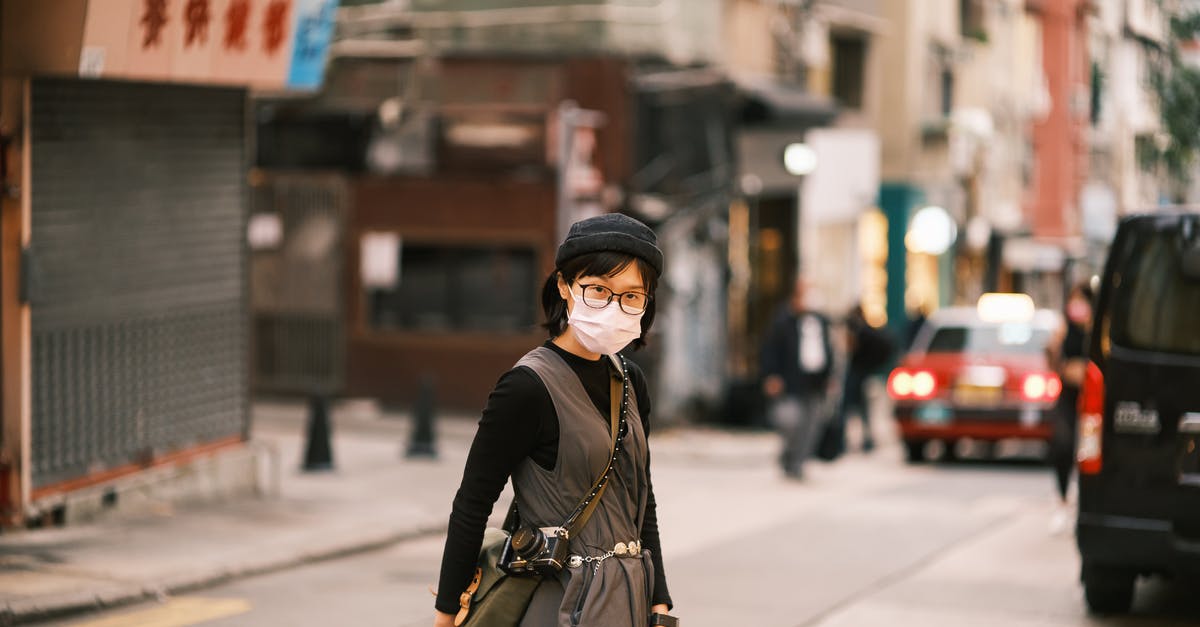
619	399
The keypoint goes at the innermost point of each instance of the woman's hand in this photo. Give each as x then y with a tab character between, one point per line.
660	609
442	619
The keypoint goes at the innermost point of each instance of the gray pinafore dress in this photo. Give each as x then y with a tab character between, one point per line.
615	592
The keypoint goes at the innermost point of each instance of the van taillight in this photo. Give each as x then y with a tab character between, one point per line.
1091	422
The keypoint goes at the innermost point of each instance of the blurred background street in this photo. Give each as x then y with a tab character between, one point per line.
262	261
865	541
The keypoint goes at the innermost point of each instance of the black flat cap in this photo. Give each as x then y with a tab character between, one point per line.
611	232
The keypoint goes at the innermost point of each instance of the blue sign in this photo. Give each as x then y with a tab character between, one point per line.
314	30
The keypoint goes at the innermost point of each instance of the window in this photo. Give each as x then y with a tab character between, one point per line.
947	92
849	68
1097	93
939	84
458	288
1154	303
1146	152
1001	338
971	22
684	144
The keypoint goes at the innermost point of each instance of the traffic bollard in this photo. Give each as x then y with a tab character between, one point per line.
318	453
421	443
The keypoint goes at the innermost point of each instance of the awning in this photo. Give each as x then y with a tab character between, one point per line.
672	81
768	102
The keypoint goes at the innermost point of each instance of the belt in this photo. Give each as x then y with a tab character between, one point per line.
620	549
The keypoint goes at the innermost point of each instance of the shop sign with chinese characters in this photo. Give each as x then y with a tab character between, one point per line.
261	43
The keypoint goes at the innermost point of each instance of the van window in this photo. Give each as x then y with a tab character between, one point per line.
1154	306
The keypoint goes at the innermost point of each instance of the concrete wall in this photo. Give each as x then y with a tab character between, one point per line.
898	128
237	473
749	49
680	31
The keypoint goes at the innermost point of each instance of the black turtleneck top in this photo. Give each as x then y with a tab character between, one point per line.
519	421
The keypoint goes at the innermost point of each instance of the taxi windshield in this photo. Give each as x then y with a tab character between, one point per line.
1013	338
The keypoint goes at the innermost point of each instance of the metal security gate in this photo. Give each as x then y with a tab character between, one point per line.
297	230
136	284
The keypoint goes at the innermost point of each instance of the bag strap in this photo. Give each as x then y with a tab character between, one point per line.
618	391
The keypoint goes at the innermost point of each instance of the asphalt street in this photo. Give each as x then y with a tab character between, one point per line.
865	541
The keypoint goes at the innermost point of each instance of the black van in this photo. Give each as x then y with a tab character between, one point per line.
1139	426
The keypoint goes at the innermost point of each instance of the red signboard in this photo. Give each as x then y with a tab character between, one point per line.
211	41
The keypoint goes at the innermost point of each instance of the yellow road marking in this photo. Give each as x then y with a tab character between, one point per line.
177	612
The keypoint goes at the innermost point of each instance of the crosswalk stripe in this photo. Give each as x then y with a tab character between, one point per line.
177	612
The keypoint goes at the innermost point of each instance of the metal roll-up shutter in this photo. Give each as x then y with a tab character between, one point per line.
298	339
138	290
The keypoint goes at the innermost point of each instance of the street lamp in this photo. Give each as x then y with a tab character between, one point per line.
799	159
932	231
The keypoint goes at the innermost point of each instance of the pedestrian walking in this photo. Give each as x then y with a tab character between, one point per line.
1070	361
797	358
546	425
870	348
915	323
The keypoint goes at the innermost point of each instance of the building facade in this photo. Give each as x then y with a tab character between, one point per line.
921	68
987	127
478	132
807	78
1124	125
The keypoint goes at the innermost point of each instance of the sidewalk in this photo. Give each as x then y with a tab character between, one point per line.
373	498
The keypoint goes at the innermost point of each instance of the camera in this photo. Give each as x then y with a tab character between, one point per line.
535	550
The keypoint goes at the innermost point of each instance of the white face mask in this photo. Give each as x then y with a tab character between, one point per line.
604	331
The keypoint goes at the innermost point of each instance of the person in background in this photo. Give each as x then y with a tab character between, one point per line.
915	324
796	360
870	348
1069	359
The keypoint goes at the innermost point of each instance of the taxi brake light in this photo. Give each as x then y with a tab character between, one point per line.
905	384
900	384
1040	387
1034	387
924	385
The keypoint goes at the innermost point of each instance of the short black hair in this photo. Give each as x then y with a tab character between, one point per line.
603	263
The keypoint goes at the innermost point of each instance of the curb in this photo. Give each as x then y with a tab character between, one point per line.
35	610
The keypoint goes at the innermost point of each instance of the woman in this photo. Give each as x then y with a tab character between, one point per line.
1071	364
546	425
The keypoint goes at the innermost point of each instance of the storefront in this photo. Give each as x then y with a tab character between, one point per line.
765	247
450	265
124	276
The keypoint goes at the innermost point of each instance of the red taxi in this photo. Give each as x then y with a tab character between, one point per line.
977	373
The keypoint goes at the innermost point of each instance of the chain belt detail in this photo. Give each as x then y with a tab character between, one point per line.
620	549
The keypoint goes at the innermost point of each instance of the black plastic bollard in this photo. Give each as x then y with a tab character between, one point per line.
318	453
424	413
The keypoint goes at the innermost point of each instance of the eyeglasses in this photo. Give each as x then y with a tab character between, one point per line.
598	297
